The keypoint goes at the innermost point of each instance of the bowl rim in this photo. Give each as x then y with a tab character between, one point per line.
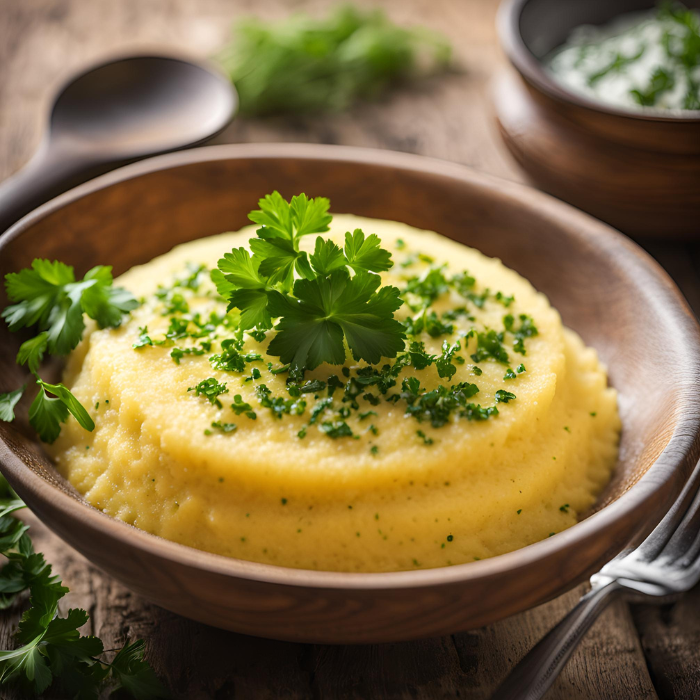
531	68
684	439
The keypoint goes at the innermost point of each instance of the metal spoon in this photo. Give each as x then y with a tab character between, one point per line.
116	113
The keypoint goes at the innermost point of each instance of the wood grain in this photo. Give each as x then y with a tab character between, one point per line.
41	42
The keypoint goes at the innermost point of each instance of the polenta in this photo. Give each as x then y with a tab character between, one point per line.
493	430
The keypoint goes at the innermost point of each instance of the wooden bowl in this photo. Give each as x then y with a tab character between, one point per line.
605	287
639	171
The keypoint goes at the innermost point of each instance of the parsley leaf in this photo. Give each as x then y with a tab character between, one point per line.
327	257
312	326
47	413
31	352
310	215
103	302
252	304
36	290
8	401
240	270
239	406
365	253
291	221
224	287
278	258
275	215
48	296
135	675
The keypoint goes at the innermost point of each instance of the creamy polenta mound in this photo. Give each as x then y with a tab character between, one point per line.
343	474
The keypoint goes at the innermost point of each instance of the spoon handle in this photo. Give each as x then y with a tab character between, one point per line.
539	668
51	171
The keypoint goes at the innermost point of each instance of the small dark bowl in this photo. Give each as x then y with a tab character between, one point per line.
637	170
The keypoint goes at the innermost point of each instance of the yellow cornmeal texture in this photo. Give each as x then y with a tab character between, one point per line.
264	494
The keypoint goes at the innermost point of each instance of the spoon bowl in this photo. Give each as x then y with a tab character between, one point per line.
142	105
116	113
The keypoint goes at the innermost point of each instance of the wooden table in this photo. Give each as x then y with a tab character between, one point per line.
632	652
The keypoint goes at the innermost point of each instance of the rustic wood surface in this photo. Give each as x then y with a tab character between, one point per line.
632	652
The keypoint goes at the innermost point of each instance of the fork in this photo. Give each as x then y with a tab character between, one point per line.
664	565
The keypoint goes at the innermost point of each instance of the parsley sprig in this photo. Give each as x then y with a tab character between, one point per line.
50	650
321	301
310	64
49	298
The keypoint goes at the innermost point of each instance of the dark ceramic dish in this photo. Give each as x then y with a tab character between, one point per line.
637	170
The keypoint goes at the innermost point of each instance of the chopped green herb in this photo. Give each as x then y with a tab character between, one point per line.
239	406
503	299
231	359
210	389
178	353
490	346
224	427
143	339
254	375
503	396
336	429
312	387
527	329
616	65
278	405
661	81
422	435
259	336
445	368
